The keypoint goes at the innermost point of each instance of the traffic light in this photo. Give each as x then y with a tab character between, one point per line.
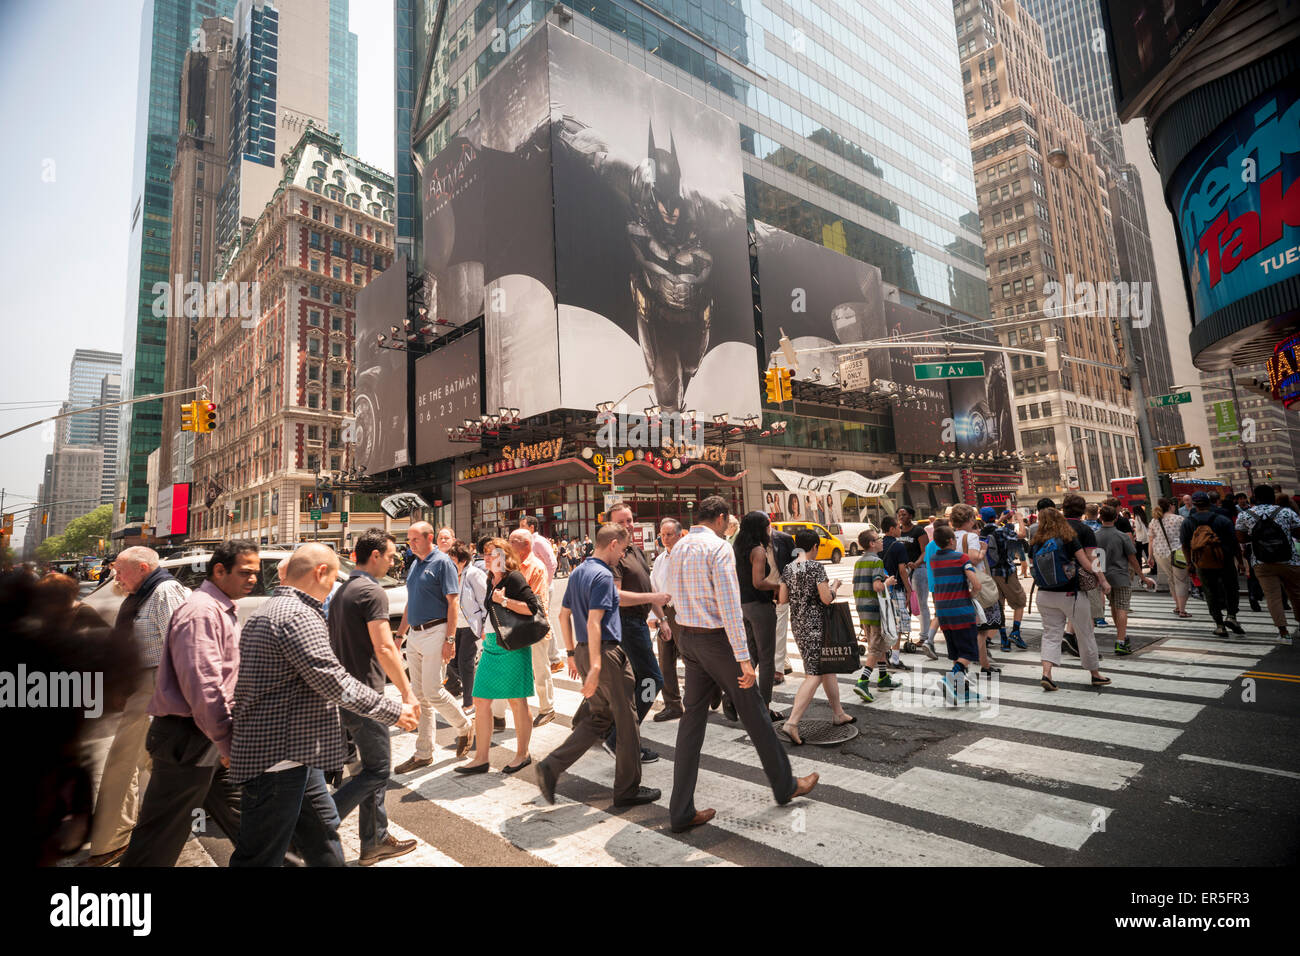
7	527
784	376
205	416
190	417
605	474
773	384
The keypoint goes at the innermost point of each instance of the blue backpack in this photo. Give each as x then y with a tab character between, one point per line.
1052	565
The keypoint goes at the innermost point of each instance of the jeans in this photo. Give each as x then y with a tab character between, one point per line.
291	804
921	585
648	680
366	790
466	660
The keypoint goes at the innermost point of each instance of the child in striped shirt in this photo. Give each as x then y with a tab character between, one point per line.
870	581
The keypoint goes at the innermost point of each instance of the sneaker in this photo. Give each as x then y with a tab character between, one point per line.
949	689
1122	648
1220	631
1017	640
894	659
886	682
1005	644
1234	626
649	756
1070	644
928	651
545	717
1100	622
863	689
390	848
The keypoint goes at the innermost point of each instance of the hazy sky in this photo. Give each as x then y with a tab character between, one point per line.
68	74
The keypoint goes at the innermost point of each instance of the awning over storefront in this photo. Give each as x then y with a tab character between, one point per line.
849	482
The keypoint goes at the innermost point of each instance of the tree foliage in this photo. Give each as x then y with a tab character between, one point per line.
80	537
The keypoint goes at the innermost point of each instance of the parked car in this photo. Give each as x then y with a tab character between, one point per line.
848	532
829	548
191	568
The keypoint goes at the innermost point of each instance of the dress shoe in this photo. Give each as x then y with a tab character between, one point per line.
464	744
390	848
1254	605
544	717
642	795
105	859
546	782
413	763
476	768
498	723
668	713
701	817
729	710
805	785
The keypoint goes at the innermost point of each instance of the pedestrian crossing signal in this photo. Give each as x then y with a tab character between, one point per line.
189	417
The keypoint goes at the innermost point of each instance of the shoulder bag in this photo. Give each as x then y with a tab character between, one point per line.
988	592
516	631
1176	556
840	651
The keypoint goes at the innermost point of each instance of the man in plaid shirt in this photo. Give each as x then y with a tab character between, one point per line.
287	733
701	579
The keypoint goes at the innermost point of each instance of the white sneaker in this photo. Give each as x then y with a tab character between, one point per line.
894	659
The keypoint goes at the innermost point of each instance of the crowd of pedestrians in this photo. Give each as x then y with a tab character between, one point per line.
251	725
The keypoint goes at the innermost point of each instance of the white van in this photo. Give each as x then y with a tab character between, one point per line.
848	532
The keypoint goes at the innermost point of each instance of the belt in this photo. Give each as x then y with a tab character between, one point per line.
427	624
703	630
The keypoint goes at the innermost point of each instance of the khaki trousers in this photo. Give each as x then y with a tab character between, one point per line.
126	772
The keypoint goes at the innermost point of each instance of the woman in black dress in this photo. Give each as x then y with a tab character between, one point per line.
805	585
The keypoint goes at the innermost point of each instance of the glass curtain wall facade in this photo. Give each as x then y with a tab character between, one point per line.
168	28
405	65
343	77
852	121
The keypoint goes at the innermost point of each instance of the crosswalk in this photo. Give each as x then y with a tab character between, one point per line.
1024	779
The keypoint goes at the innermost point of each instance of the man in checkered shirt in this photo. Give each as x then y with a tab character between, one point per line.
287	733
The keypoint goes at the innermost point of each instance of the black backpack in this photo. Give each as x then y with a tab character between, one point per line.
1271	544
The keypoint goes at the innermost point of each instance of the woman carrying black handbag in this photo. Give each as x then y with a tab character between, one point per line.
505	674
804	581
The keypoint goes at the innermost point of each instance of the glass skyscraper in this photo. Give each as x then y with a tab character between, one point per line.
343	77
852	122
168	27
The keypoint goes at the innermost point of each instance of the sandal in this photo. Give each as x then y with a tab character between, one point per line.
1100	681
792	735
1048	683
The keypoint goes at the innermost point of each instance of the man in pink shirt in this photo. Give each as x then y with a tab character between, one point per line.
189	740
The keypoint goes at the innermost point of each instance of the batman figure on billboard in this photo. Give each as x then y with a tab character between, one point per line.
665	225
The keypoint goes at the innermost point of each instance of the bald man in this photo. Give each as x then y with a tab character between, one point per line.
286	729
432	612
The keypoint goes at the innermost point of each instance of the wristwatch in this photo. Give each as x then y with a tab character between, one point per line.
570	653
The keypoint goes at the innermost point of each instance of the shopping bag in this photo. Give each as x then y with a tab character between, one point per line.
914	603
840	652
888	617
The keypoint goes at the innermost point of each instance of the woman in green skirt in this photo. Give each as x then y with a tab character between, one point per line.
502	674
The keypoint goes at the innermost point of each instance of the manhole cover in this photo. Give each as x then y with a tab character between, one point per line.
823	732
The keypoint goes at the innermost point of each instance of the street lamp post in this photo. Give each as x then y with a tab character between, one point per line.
1060	159
609	408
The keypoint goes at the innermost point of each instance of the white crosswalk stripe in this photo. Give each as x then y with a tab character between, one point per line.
1016	783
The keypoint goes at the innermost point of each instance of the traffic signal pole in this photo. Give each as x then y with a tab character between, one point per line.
96	408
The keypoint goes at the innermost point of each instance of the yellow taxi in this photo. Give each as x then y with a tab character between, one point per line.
829	548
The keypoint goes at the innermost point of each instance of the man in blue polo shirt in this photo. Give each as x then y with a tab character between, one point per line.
596	655
432	610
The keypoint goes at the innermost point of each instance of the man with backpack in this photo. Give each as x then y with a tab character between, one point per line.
1211	546
1271	531
1001	540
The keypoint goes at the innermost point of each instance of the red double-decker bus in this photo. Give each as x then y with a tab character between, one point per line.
1132	492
